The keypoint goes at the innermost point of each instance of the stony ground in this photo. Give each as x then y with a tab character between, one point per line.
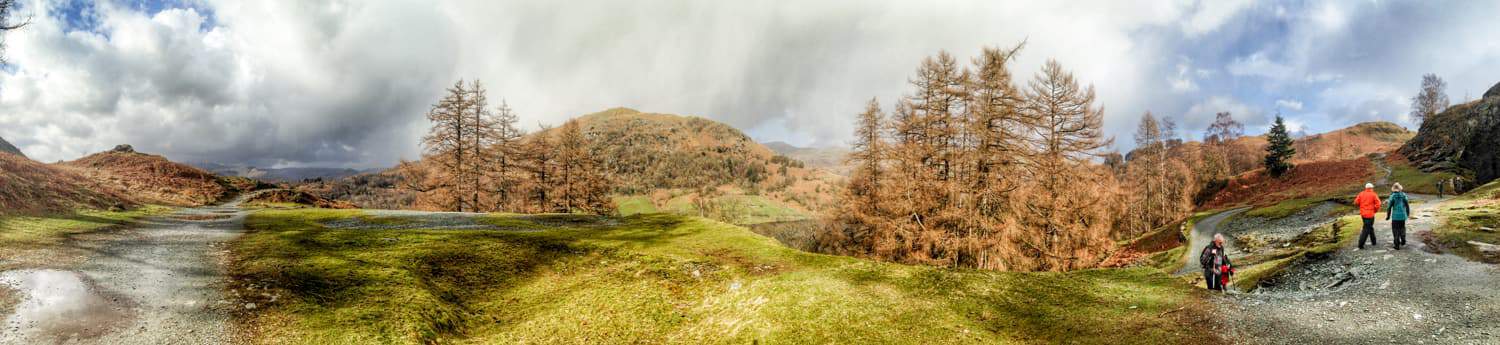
1374	296
158	282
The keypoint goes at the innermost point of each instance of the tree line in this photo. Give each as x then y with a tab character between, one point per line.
478	159
970	169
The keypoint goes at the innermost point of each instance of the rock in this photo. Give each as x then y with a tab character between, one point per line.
1493	92
123	148
1460	140
1485	247
1486	229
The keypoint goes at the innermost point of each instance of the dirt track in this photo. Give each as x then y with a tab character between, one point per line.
157	282
1374	296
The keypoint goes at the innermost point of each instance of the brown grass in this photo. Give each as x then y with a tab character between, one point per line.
1308	179
151	179
30	187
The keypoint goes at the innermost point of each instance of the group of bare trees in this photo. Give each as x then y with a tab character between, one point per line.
479	160
970	170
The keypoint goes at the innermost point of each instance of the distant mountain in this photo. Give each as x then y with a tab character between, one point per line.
830	158
279	174
6	147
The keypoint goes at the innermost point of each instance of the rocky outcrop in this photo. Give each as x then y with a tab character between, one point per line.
6	147
1464	139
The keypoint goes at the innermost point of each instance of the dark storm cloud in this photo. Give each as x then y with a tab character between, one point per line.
345	83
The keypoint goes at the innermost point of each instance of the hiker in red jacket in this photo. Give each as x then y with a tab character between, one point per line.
1368	204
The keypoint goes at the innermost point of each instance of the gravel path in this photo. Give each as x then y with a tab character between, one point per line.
157	282
1374	296
1203	232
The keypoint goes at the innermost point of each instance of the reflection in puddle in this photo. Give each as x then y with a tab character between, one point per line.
58	305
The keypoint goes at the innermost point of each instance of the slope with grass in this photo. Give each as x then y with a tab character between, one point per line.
1470	226
1323	179
662	279
30	187
153	179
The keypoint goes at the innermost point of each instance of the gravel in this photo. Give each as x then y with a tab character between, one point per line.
1283	229
154	283
1373	296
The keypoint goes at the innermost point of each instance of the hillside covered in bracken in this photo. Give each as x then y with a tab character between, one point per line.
153	179
31	187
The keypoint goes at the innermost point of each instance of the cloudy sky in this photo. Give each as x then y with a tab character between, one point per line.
345	83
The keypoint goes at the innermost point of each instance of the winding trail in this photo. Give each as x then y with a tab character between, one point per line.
1203	233
158	282
1375	296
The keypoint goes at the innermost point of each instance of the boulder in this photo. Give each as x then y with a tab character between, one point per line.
124	148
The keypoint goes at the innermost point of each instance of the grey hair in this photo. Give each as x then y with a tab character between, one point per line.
1369	185
1219	237
1397	187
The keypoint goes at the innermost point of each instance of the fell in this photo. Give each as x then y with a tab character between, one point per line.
1307	179
30	187
153	179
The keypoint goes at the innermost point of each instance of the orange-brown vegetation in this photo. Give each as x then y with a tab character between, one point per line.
288	196
379	190
971	171
657	155
30	187
1306	180
1353	142
153	179
477	160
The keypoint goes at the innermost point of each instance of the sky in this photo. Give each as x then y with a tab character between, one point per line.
291	83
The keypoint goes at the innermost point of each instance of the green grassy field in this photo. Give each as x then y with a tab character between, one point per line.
49	229
1416	181
633	205
664	279
739	209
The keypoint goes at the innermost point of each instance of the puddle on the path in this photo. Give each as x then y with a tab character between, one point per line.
58	305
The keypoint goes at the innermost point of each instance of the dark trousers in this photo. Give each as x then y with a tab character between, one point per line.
1368	231
1398	233
1212	279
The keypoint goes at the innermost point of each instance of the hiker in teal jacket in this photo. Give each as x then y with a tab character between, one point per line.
1397	210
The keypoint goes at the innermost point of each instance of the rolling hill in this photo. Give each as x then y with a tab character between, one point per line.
833	159
661	163
153	179
30	187
275	175
1352	142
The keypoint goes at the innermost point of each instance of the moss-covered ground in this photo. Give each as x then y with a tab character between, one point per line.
670	279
